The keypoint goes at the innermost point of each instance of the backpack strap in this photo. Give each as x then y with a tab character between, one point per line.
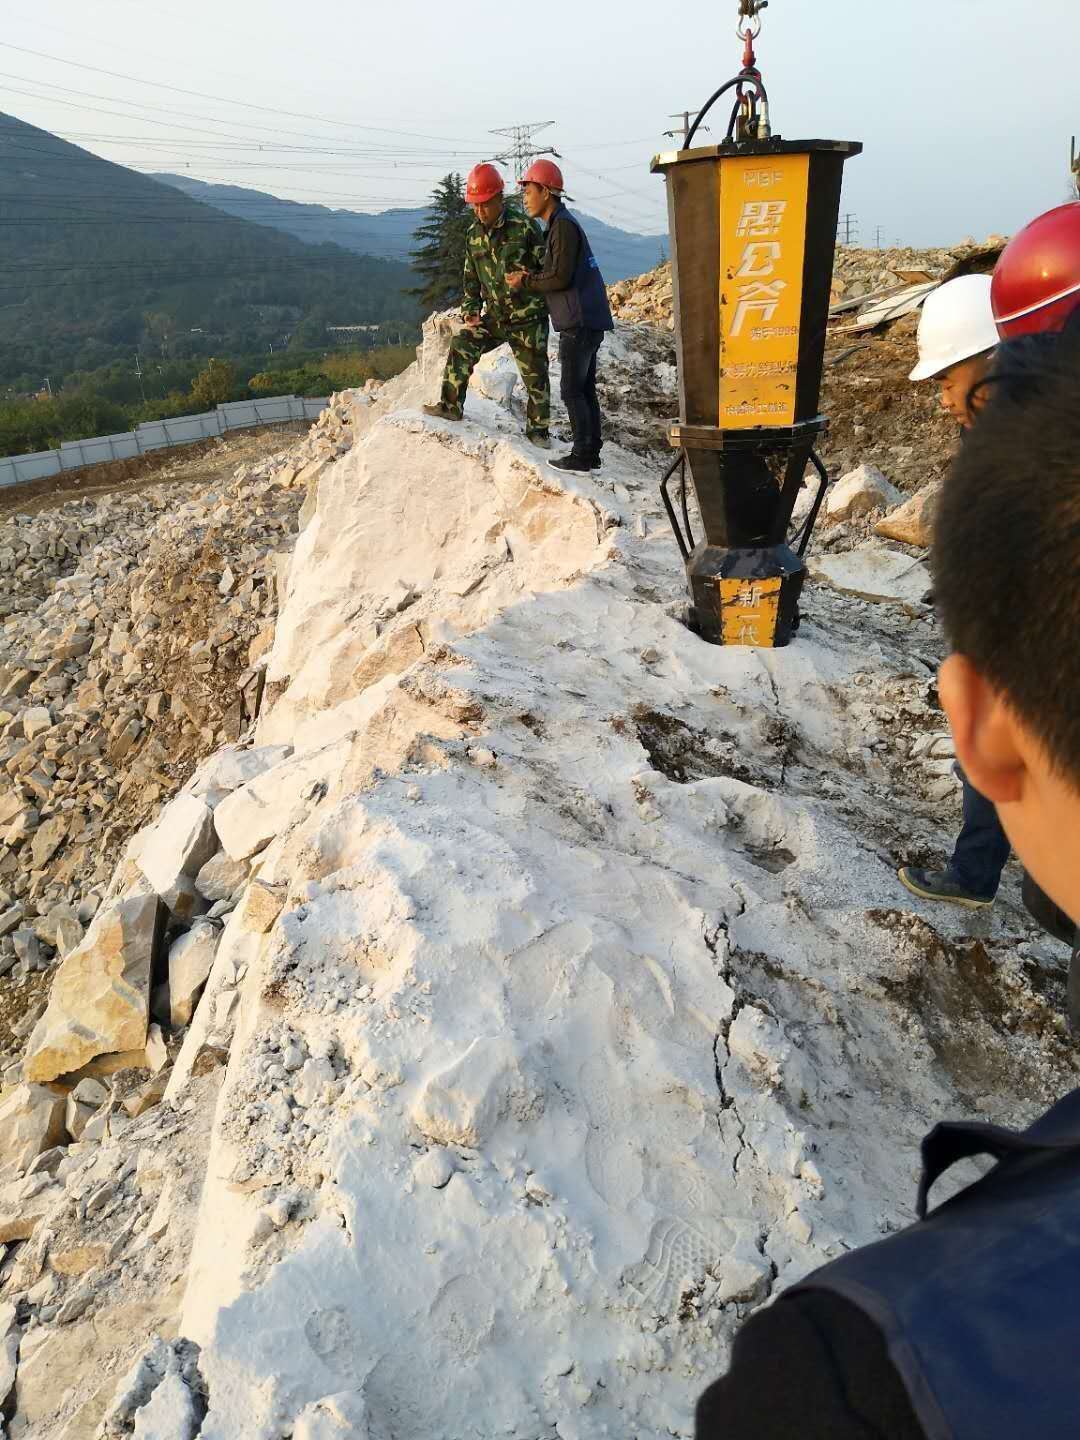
951	1141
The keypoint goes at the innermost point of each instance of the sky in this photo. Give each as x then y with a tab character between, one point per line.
965	107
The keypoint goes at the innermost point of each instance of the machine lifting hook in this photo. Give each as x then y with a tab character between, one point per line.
751	10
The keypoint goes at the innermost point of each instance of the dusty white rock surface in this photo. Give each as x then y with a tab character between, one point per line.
884	576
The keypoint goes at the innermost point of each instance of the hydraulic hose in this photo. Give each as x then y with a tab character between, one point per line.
708	106
745	77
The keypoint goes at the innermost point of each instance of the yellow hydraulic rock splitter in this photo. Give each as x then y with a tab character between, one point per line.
753	238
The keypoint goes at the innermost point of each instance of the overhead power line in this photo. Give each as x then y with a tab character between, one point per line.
229	100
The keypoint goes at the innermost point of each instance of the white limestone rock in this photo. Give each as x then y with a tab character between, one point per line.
220	878
233	767
191	958
859	492
172	1414
180	843
338	1417
254	814
36	721
883	576
462	1104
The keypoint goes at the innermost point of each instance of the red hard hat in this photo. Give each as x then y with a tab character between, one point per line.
546	173
1037	281
484	184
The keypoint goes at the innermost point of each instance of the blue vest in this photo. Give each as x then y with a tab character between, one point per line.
586	302
980	1304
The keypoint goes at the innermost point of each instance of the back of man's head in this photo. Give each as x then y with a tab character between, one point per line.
1007	571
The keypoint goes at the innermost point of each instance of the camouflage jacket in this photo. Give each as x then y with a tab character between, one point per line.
515	243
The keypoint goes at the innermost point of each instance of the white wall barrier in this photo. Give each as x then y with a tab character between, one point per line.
156	435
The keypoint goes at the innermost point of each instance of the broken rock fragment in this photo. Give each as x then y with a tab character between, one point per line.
179	844
31	1122
232	767
100	998
10	1335
859	492
220	877
191	959
883	576
21	1213
83	1104
260	907
913	522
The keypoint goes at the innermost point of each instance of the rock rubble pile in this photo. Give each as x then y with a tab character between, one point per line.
132	632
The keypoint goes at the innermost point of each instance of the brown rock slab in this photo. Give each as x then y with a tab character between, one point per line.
31	1122
78	1261
101	994
913	522
260	907
18	1221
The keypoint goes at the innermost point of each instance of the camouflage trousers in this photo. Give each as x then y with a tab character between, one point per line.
529	344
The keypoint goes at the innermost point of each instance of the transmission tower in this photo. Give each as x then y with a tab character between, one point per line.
521	152
848	231
687	117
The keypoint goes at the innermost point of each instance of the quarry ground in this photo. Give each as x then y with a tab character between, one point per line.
558	1005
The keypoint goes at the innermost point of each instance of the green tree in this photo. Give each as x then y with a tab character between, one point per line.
440	259
214	385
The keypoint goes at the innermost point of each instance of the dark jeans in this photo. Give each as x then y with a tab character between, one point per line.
983	847
578	351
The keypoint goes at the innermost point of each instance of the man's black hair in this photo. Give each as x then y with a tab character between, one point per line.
1007	543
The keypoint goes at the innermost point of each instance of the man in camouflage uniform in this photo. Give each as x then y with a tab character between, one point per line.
499	243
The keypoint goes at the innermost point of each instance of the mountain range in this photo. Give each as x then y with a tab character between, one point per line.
100	261
390	233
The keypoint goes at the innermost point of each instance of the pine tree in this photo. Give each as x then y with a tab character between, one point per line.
440	258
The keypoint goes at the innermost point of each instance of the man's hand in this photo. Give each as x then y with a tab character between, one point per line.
472	322
516	279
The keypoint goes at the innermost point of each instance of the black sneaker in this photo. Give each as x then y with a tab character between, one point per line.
595	461
572	462
939	885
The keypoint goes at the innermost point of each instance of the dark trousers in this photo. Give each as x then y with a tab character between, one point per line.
578	351
983	847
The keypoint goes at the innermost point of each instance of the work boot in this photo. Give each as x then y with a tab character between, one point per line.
442	412
572	462
939	885
540	438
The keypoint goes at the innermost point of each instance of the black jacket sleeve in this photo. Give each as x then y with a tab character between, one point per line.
560	259
814	1367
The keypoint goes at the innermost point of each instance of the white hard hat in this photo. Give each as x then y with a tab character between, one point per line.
957	323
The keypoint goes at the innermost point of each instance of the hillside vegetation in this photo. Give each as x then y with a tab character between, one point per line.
100	261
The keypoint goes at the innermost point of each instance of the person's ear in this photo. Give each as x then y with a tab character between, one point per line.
984	731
